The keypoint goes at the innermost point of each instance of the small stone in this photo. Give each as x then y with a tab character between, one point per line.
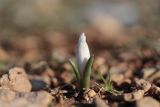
16	80
39	82
148	102
89	94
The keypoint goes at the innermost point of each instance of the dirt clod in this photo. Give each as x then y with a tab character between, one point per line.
16	80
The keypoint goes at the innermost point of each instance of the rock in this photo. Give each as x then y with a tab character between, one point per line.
16	80
99	102
148	102
39	82
9	98
89	94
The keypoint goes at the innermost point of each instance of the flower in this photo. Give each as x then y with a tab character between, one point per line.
83	53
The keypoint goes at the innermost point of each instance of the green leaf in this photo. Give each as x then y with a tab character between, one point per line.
85	80
101	76
75	70
108	86
109	77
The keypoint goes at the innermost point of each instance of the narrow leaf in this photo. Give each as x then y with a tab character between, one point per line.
75	70
101	77
109	76
85	80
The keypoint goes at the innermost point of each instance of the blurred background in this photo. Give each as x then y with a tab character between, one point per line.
49	29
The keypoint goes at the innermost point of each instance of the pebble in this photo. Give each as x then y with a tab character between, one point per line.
89	94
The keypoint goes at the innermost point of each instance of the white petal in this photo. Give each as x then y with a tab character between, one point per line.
83	53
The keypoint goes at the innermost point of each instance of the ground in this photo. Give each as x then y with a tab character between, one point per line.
35	72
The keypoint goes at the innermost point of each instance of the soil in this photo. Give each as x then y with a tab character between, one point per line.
37	74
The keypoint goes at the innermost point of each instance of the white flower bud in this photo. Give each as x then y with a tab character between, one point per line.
83	53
